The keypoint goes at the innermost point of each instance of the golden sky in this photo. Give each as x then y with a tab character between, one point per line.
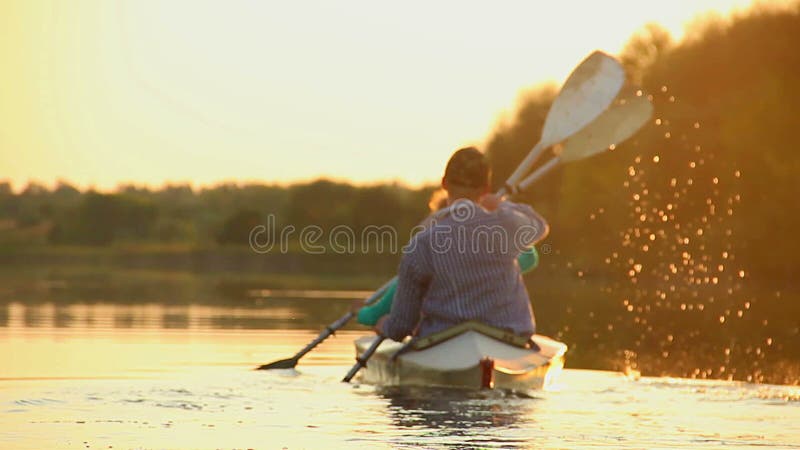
100	92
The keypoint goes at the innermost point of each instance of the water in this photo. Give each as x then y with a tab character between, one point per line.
152	376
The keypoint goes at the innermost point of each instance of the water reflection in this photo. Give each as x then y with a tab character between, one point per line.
458	413
31	317
274	314
124	320
195	387
175	320
62	318
437	408
673	344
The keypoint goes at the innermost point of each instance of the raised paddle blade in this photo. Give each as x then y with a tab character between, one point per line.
588	91
615	125
288	363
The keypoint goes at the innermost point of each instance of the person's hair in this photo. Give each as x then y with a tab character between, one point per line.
468	168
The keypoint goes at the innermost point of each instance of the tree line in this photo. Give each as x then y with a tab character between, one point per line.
219	215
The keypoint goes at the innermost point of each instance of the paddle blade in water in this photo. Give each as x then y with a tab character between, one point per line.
613	126
289	363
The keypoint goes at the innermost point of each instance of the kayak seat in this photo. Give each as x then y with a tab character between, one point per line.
500	334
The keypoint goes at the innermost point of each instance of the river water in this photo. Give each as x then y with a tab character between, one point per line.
152	376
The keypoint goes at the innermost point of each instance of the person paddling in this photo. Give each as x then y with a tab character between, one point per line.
370	314
464	266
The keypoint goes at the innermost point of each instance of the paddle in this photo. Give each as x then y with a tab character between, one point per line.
290	363
612	127
588	91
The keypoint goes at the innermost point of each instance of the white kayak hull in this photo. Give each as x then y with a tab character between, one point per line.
457	362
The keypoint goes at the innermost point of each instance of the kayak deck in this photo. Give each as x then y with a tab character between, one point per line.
457	362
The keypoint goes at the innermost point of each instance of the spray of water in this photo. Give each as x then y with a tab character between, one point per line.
685	304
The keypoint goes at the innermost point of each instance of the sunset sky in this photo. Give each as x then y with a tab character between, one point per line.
106	92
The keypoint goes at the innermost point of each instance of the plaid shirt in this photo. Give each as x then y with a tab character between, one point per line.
464	267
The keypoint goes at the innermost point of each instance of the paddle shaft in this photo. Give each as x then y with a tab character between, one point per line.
511	186
539	173
340	322
326	333
361	361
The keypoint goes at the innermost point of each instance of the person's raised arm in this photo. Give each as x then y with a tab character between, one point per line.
526	226
370	314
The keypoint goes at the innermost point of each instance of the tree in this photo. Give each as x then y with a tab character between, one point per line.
644	49
100	219
237	227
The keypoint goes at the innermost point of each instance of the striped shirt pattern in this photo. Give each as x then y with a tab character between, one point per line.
460	268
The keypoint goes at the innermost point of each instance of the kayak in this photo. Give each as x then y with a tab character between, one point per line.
470	355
